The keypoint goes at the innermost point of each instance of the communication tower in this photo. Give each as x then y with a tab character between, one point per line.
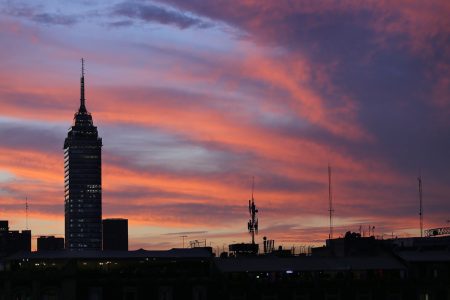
253	222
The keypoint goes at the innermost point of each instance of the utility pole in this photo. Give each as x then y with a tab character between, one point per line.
183	236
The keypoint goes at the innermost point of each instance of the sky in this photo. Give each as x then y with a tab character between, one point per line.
194	98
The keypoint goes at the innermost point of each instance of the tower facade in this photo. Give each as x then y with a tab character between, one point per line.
83	181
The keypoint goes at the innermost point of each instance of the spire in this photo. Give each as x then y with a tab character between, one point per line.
82	99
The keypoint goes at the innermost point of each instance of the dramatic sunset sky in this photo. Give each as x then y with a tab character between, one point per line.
192	98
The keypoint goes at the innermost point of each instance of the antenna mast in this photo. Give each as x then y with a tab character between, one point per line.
82	98
330	203
419	179
253	185
253	222
26	213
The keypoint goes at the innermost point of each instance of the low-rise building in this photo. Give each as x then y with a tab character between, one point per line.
50	243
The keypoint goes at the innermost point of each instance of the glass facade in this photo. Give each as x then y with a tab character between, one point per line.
83	182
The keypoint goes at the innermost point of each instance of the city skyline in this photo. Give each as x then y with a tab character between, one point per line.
193	100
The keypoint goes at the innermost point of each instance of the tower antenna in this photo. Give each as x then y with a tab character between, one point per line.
419	179
82	67
82	98
330	203
26	213
253	185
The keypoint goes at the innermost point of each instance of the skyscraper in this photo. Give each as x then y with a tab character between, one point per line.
83	181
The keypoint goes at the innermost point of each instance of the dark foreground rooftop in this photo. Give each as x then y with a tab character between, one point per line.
64	254
307	263
195	274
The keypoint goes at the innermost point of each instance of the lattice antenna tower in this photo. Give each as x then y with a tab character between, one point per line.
253	222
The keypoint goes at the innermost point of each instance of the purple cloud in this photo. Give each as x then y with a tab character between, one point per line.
153	13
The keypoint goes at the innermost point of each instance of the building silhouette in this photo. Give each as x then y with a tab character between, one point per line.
13	241
4	225
50	243
115	234
83	181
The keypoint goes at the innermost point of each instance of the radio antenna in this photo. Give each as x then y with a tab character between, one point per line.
330	203
26	213
419	179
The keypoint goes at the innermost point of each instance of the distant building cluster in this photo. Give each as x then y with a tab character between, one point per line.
13	241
